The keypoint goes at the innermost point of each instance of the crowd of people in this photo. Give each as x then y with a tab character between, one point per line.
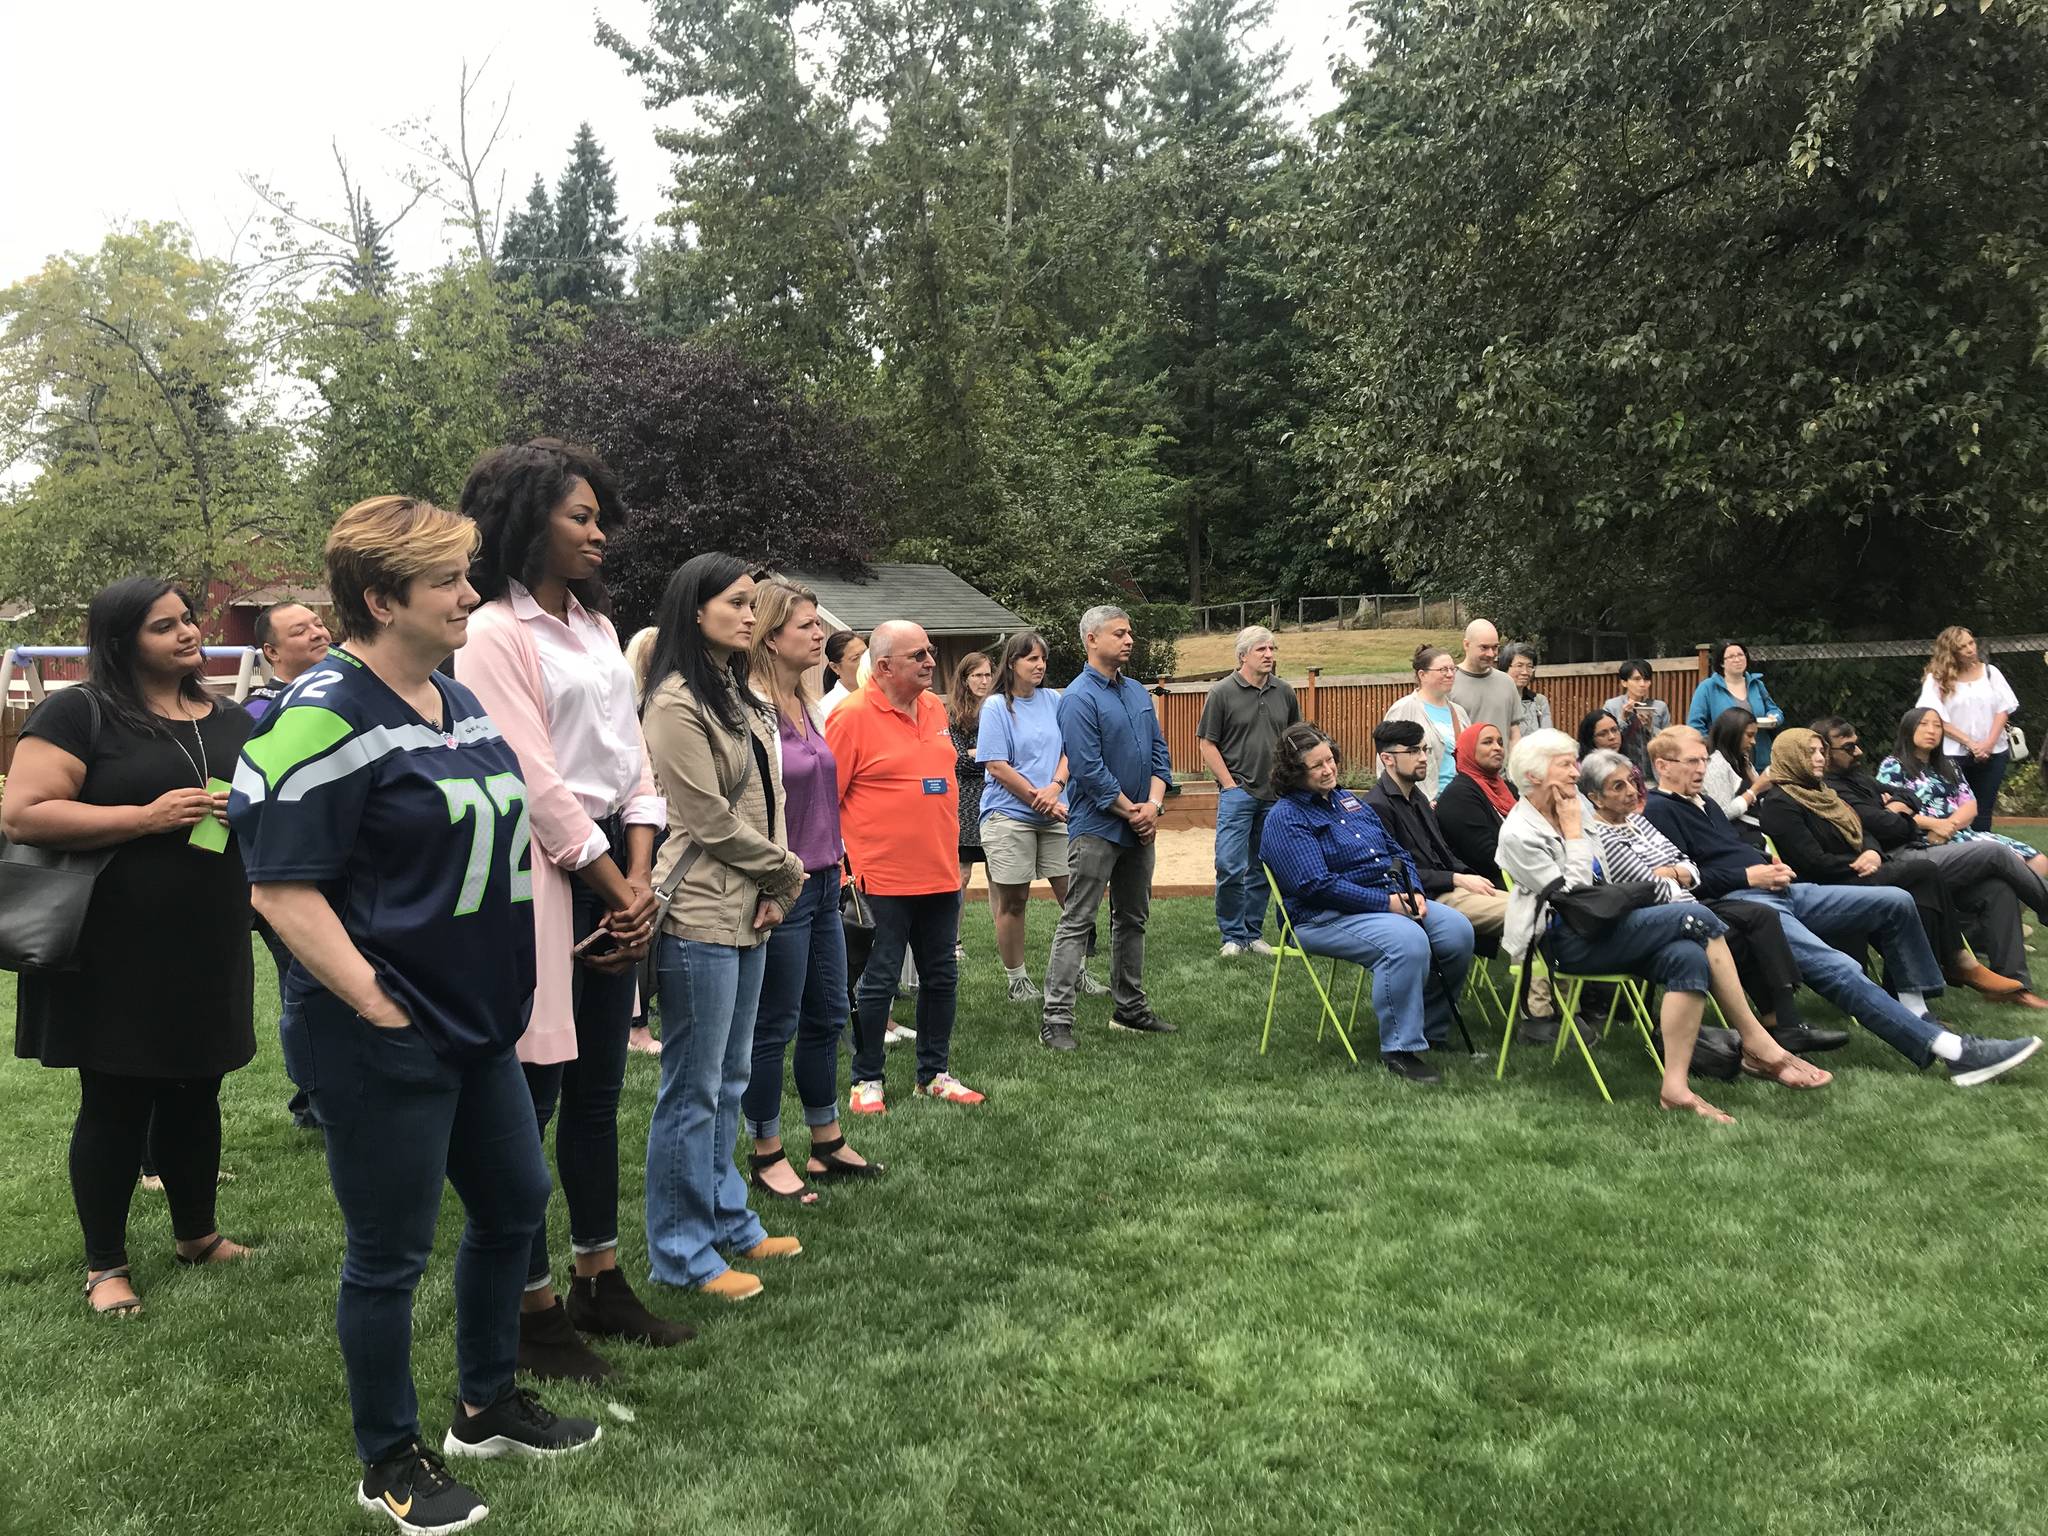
480	837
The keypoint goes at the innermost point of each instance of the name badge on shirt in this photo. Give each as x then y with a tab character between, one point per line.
1349	804
935	786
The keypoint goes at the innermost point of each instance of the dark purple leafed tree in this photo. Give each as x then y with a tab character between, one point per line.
711	453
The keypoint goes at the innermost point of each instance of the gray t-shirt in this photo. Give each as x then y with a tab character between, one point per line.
1245	724
1490	700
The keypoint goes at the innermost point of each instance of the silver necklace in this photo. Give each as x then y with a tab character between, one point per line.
199	763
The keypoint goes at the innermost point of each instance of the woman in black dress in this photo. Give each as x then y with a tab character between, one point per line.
974	679
158	1010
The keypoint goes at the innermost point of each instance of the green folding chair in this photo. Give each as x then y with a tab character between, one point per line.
1566	987
1324	985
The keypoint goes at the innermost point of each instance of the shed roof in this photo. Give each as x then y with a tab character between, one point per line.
929	595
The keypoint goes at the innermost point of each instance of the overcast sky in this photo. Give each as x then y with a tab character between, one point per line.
125	110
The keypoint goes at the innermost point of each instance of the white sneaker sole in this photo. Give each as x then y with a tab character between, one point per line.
1985	1074
378	1506
501	1445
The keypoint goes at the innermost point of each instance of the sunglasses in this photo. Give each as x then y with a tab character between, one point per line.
922	653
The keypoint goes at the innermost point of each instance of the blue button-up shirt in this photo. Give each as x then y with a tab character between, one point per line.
1110	733
1331	854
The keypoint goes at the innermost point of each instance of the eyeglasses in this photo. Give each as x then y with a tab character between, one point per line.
1849	746
922	653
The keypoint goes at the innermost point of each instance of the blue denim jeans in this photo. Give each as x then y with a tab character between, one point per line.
803	996
587	1092
696	1199
1412	1009
1816	919
1240	883
926	927
1665	944
400	1122
1984	779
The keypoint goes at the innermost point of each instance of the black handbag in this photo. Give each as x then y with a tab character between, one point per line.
1593	909
858	919
45	894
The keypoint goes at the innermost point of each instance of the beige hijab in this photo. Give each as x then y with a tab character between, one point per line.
1792	771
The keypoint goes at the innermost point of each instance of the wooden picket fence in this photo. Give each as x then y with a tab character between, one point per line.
1348	708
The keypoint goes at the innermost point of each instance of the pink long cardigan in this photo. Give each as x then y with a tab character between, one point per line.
500	664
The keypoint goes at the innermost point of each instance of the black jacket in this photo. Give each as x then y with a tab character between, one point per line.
1811	844
1891	832
1413	823
1471	826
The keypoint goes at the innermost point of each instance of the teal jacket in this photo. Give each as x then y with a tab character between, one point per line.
1712	697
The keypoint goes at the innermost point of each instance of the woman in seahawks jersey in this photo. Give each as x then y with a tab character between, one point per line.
383	821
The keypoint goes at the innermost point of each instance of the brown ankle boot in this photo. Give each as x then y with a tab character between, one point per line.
550	1348
604	1303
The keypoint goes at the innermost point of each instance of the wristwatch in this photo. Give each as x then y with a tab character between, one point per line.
1158	807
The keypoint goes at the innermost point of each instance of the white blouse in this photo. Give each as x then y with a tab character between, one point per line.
1970	707
593	724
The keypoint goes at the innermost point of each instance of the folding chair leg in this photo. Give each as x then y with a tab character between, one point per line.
1568	1024
1273	992
1646	1023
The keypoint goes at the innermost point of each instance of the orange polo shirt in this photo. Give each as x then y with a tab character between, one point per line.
899	803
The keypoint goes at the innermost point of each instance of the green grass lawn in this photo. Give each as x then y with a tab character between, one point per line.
1339	652
1161	1285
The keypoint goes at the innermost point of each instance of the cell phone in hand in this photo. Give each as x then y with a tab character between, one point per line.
600	944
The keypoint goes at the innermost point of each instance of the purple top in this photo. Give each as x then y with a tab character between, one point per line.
810	785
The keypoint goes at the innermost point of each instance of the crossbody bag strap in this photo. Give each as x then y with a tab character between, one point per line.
666	893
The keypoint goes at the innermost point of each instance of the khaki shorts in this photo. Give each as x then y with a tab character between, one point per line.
1019	853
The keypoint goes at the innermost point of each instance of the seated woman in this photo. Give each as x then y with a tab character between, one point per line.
1734	686
1475	802
1431	707
1352	892
1640	715
1544	842
1948	806
1633	849
1600	731
1732	781
1822	838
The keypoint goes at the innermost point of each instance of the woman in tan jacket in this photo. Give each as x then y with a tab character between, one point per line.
1443	721
732	879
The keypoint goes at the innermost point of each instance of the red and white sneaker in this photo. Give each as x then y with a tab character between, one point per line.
948	1087
868	1099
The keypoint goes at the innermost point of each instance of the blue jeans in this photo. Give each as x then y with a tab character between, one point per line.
1820	921
400	1121
696	1199
1666	944
1984	779
927	927
803	995
1412	1009
1240	883
587	1090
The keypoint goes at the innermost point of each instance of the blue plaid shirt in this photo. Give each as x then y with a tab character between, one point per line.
1330	854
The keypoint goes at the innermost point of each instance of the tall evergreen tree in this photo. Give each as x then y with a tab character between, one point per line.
590	253
370	268
1218	168
529	246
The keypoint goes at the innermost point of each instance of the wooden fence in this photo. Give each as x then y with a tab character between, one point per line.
1347	708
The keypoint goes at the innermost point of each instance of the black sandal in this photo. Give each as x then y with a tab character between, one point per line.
838	1168
126	1308
756	1161
205	1255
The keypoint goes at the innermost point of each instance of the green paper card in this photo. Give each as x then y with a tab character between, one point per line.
210	835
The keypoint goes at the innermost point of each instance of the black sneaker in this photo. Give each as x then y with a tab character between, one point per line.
1056	1037
1982	1059
552	1349
1146	1023
1537	1029
1410	1067
415	1493
517	1424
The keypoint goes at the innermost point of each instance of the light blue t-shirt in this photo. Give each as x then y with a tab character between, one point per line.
1025	733
1446	726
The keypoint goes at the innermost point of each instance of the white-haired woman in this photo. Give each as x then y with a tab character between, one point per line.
1545	847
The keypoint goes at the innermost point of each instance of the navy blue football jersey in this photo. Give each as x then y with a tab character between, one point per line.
417	836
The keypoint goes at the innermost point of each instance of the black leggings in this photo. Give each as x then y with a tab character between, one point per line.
180	1117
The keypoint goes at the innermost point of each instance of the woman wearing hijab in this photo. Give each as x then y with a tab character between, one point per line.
1477	800
1821	837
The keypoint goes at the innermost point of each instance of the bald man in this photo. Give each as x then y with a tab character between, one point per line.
1489	696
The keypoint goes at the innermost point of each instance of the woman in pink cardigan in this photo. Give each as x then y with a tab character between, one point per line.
546	663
